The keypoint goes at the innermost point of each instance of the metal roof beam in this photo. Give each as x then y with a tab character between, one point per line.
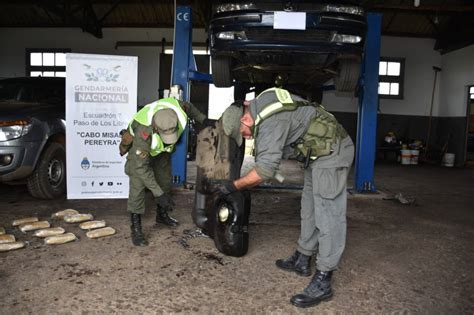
112	8
90	22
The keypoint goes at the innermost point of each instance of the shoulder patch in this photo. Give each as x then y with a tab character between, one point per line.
144	135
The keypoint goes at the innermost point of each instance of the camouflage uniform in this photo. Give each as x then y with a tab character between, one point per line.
147	171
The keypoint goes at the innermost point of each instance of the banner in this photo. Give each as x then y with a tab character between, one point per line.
101	98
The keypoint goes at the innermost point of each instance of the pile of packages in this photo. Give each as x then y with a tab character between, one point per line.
54	235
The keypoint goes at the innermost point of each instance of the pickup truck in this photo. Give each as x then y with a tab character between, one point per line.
32	135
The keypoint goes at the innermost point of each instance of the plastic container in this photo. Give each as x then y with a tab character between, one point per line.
414	157
448	159
405	157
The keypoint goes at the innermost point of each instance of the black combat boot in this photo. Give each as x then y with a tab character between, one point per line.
319	289
137	235
298	262
163	217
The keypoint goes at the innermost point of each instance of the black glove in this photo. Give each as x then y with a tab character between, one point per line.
225	188
209	122
164	201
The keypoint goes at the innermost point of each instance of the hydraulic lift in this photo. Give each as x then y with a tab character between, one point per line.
227	221
184	70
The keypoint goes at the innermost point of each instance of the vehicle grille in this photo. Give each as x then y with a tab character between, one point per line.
287	36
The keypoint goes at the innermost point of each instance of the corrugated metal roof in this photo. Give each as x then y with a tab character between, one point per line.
433	18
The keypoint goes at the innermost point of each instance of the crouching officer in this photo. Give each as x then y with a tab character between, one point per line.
149	141
284	125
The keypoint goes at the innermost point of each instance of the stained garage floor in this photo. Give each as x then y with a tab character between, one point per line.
399	258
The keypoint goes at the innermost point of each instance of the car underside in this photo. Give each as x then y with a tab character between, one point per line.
260	44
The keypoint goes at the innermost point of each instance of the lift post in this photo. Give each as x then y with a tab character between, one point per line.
183	70
368	105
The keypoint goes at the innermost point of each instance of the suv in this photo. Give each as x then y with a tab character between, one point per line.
32	135
291	43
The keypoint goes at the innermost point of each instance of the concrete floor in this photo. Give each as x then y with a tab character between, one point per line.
399	258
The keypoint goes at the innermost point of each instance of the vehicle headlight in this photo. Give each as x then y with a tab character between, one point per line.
344	38
343	9
232	35
235	7
10	130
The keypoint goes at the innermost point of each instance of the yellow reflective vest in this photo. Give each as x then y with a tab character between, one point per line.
145	117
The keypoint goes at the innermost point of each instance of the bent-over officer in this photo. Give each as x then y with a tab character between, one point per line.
285	125
149	141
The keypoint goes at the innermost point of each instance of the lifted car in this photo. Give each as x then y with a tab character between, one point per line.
32	135
299	44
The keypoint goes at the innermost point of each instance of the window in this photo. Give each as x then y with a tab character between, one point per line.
46	62
391	71
471	93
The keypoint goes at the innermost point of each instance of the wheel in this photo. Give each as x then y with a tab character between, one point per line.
48	180
348	77
221	71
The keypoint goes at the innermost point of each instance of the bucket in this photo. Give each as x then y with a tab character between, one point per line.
448	159
405	157
414	157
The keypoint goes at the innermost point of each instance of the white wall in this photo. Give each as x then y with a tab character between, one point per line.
16	40
457	74
419	75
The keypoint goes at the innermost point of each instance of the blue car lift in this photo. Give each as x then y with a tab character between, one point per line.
368	105
184	70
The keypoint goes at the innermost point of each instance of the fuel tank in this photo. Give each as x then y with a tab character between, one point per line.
218	158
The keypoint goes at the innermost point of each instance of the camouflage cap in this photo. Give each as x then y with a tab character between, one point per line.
166	122
231	123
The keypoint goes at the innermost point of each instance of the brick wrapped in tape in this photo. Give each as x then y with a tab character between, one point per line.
11	246
60	239
7	238
61	214
80	217
107	231
90	225
49	232
24	220
34	226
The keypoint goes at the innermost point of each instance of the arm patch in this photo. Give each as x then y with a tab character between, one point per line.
144	135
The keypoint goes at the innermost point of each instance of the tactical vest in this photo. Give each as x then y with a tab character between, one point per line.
145	117
323	130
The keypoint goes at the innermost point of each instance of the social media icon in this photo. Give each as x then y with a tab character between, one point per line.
83	184
101	183
110	183
92	183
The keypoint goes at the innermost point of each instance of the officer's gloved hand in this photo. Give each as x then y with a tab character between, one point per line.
209	122
164	201
225	188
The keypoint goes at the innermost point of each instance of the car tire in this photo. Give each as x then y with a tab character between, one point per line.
221	71
48	180
348	77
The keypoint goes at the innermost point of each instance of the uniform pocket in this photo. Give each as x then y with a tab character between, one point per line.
127	166
331	181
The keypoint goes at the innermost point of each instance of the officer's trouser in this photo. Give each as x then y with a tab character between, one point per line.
161	165
323	207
